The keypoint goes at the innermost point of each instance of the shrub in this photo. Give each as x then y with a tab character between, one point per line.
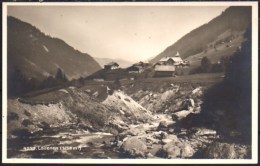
206	64
12	116
26	122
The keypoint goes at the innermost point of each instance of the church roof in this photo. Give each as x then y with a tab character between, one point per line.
175	59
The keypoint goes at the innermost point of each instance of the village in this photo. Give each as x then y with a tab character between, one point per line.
165	67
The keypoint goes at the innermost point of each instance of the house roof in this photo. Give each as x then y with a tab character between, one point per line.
134	68
143	64
139	63
112	64
164	68
175	59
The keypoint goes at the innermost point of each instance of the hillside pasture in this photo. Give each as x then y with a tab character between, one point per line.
215	55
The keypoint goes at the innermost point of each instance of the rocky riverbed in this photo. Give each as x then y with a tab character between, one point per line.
127	123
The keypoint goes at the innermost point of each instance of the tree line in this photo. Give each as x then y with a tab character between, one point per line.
19	84
206	66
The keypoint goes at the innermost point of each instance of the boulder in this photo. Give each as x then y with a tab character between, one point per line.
172	151
197	110
64	91
172	147
220	150
122	112
150	139
165	141
163	126
166	110
134	131
177	149
154	149
180	115
171	130
184	105
119	143
147	97
88	91
95	94
203	131
158	134
197	91
135	147
187	151
172	137
243	152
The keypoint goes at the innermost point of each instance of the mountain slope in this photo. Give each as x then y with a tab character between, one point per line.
234	19
38	56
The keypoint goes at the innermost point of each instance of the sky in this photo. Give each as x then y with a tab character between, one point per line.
132	33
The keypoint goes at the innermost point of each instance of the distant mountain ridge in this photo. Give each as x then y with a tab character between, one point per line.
236	19
122	63
39	56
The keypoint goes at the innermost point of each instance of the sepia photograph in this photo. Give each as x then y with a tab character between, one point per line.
148	82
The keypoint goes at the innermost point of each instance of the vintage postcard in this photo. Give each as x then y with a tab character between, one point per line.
130	82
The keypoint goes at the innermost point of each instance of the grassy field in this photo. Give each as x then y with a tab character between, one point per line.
99	88
50	97
161	84
203	77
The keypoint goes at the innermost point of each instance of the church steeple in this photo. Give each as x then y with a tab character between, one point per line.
177	54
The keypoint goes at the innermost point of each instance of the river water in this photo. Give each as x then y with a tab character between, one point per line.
65	144
73	143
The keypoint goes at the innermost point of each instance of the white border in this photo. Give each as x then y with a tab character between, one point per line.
232	3
140	161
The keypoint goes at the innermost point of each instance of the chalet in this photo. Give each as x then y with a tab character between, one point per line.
164	70
166	67
111	66
137	67
175	60
141	64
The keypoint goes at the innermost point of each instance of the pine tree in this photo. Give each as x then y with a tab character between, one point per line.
205	64
60	75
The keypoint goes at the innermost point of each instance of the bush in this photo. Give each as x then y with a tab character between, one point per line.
205	64
26	122
117	84
12	116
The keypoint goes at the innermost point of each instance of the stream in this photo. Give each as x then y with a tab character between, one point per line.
64	144
74	143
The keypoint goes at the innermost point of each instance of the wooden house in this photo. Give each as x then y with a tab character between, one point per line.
174	60
137	67
111	66
164	70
